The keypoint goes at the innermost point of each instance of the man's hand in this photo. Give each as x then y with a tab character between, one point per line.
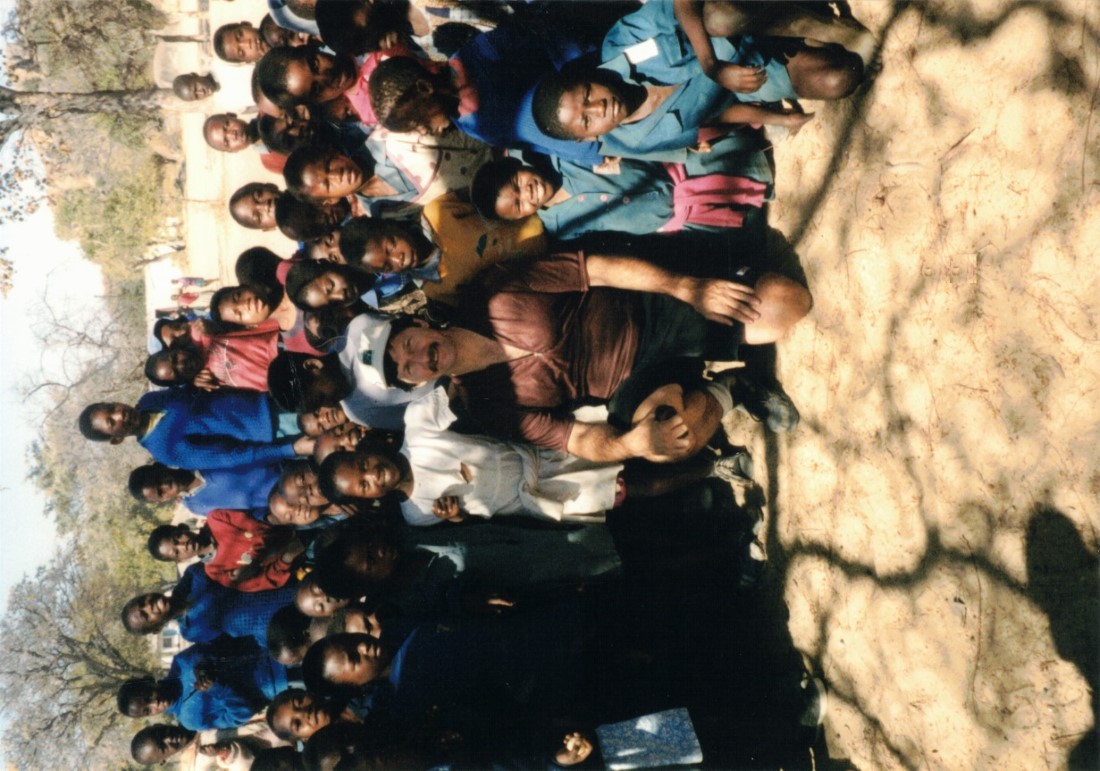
661	440
719	300
448	508
738	79
304	445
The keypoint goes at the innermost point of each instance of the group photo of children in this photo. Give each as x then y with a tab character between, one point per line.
481	468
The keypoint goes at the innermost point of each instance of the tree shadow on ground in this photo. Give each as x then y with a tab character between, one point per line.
1063	581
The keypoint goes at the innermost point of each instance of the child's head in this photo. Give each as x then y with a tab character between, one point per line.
296	714
312	600
318	421
507	189
146	613
142	697
191	86
239	43
345	436
253	205
176	543
258	268
298	483
384	246
344	663
285	133
357	27
313	285
406	96
157	743
109	422
245	306
357	557
173	366
228	133
324	173
276	36
288	635
361	474
585	104
157	483
280	512
304	75
299	382
302	220
172	332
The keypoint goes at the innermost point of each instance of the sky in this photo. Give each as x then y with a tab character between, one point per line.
43	265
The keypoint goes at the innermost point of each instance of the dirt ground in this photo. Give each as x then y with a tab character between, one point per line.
934	519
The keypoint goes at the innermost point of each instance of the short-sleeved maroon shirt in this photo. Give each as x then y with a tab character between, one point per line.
582	342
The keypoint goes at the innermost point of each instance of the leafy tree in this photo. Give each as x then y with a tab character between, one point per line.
63	659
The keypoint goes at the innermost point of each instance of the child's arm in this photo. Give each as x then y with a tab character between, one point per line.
751	113
740	80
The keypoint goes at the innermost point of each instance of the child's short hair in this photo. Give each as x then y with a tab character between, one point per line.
258	267
315	153
150	369
133	689
84	422
160	532
487	182
303	220
393	86
219	39
142	477
272	68
547	100
288	629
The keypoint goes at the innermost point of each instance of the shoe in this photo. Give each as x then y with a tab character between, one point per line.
815	701
764	401
735	469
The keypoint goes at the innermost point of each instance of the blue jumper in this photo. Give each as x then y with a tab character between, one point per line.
242	488
214	610
222	429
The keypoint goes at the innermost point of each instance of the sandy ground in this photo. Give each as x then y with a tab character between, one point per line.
933	521
934	518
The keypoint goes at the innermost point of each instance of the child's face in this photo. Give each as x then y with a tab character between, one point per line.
179	547
227	133
300	486
281	512
321	78
257	209
331	178
391	252
166	488
591	109
523	195
148	611
327	249
243	306
330	288
315	603
275	36
243	43
323	419
178	365
300	717
354	660
366	476
426	114
116	420
343	437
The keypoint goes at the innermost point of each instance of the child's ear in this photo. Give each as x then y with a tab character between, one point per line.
424	87
117	439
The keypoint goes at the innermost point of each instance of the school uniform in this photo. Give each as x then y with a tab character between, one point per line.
214	610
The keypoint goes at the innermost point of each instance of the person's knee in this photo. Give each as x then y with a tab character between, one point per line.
829	72
723	19
783	303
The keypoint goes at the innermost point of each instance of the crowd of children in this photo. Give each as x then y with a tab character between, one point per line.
461	457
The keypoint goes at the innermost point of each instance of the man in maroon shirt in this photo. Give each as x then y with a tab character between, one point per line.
546	336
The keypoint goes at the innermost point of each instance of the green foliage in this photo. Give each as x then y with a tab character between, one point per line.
89	45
